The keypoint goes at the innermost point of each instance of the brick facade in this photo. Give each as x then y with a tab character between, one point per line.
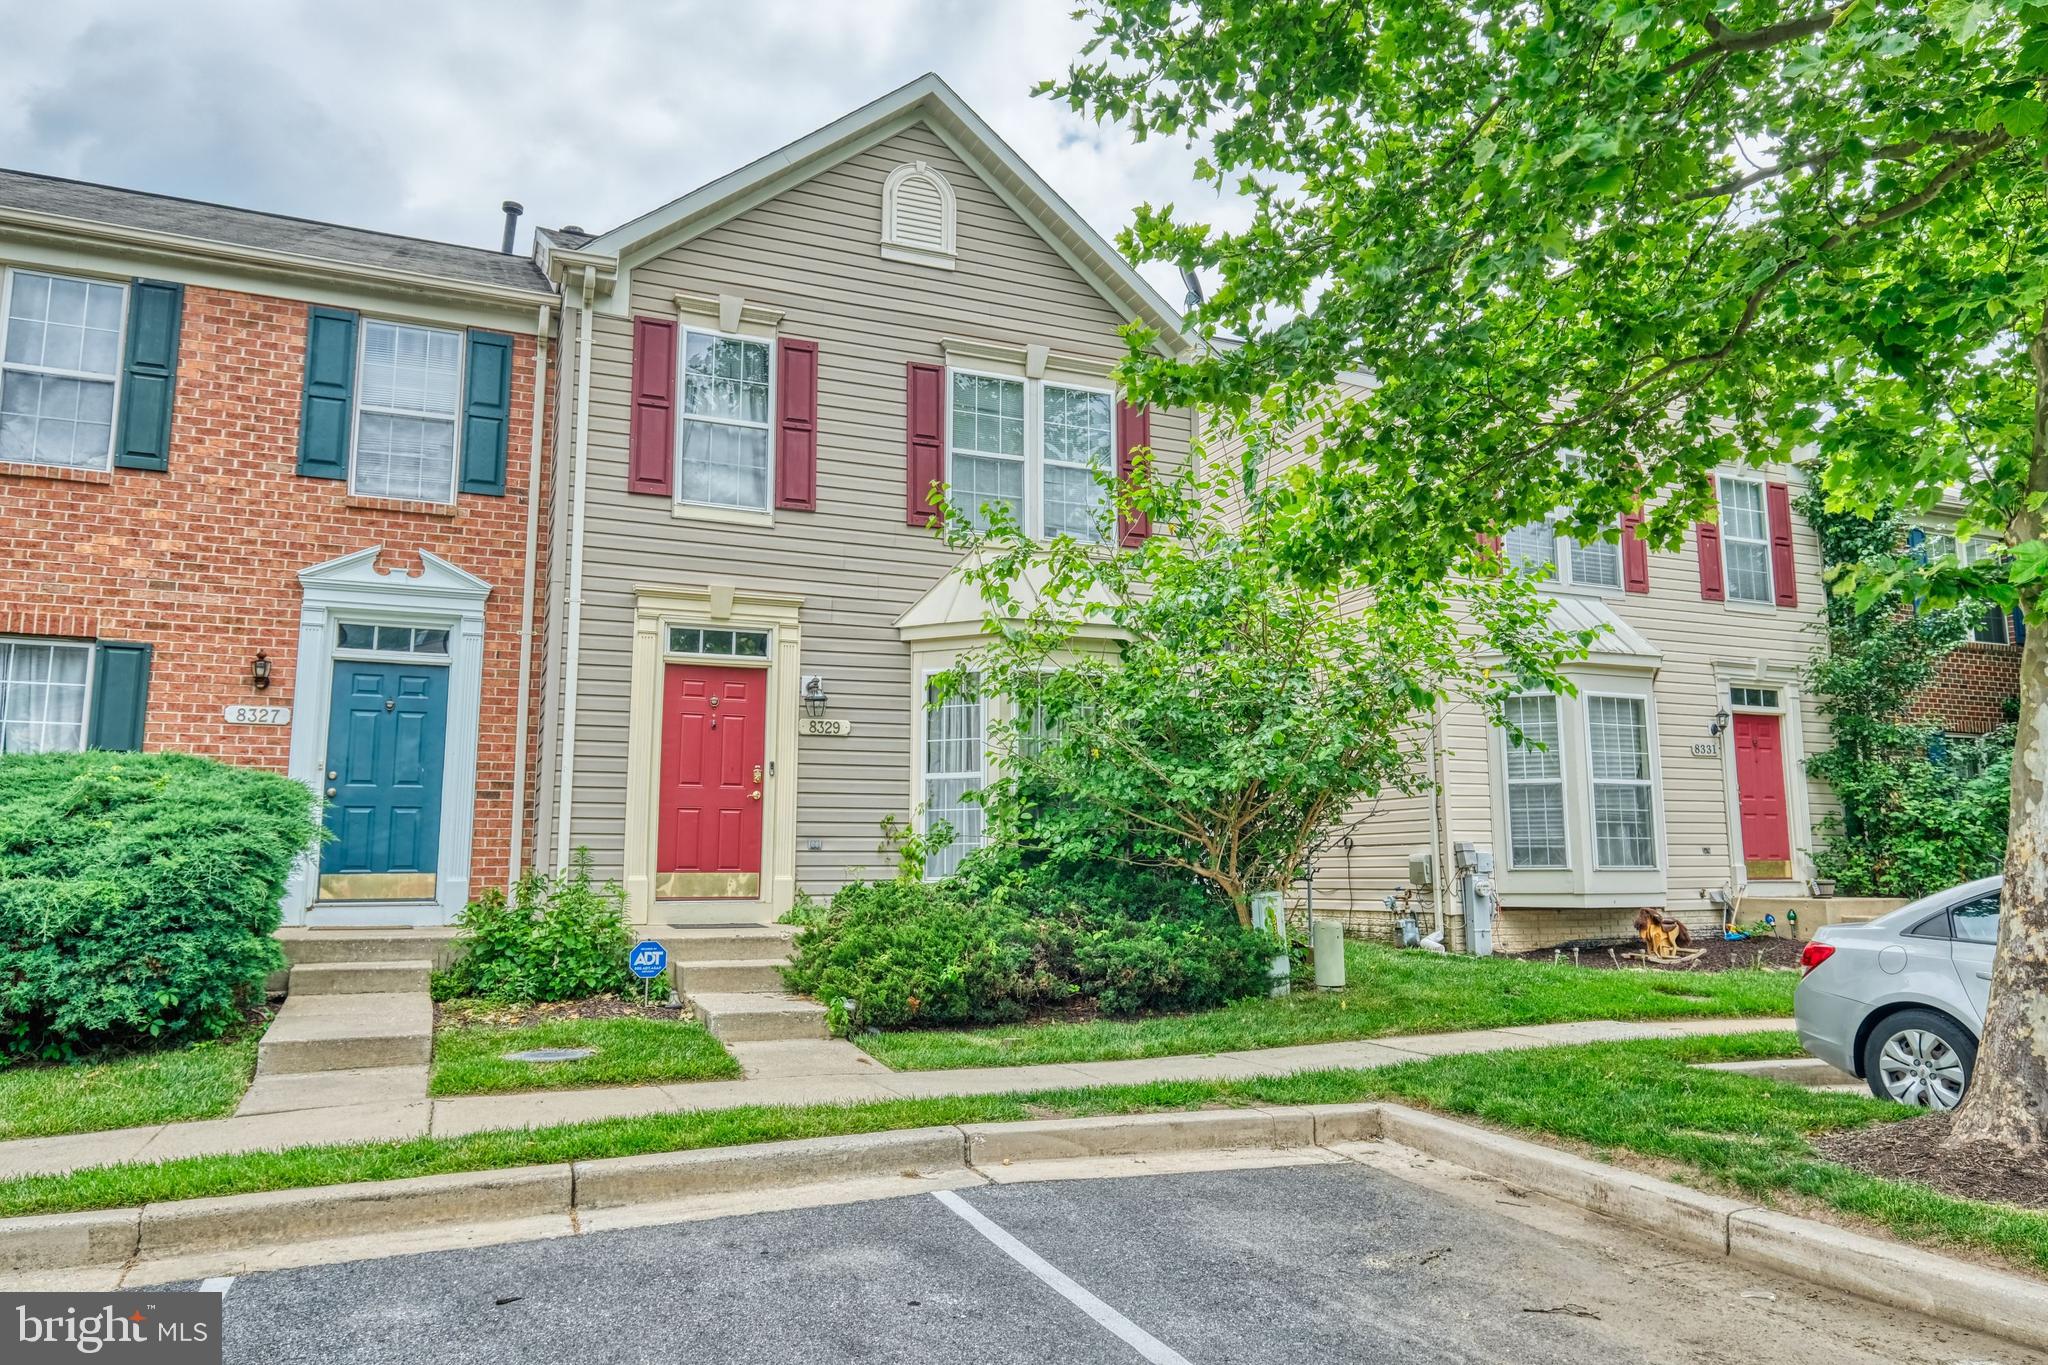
201	561
1971	688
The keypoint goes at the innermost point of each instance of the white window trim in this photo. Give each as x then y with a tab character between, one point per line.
106	463
1033	521
1563	782
1770	597
357	406
1653	782
91	669
922	773
1562	578
693	508
1582	884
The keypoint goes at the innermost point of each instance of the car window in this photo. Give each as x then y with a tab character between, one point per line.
1976	921
1934	926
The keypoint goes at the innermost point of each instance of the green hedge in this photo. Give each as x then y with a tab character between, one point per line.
557	937
138	896
1004	939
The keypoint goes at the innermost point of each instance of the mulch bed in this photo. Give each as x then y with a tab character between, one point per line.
1721	954
522	1016
1912	1150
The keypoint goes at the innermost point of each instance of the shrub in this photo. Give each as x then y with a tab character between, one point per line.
1005	938
138	896
557	937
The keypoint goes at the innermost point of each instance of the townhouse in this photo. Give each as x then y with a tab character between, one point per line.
267	492
760	383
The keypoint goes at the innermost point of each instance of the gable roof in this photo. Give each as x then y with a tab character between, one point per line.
270	233
931	100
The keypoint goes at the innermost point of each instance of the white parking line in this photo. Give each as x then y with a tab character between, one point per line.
217	1285
1134	1336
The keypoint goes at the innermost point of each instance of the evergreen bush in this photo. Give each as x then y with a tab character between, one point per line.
139	896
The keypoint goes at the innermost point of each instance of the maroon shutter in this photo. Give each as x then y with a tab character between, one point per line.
924	428
1635	554
1490	544
1133	433
796	425
651	444
1784	574
1711	589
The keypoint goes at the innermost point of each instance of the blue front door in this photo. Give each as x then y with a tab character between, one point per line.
384	741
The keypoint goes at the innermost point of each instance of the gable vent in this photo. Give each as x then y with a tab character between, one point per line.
918	216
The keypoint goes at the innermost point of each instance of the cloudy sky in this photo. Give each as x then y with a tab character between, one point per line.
420	117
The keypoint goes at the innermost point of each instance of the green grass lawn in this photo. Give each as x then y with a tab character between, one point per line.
1638	1102
1388	992
202	1081
469	1057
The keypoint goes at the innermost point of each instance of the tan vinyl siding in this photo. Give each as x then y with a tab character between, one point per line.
813	251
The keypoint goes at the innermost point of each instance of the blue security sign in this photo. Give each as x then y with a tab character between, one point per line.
648	959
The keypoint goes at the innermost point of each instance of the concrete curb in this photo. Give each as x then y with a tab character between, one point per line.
1938	1287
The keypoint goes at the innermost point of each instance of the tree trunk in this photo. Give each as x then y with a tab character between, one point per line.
2008	1100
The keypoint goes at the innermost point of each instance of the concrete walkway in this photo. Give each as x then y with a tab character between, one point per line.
784	1073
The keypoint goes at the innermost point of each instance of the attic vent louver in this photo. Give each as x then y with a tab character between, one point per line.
918	216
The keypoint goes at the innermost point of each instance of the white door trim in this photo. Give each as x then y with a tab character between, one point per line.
352	588
1786	678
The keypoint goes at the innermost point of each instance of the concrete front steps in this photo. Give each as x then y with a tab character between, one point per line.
357	1024
732	978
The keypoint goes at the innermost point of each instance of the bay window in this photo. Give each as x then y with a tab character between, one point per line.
1535	783
955	730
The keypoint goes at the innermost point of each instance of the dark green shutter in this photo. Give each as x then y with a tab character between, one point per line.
120	695
486	413
330	393
149	375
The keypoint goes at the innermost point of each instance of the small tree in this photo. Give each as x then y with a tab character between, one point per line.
1192	705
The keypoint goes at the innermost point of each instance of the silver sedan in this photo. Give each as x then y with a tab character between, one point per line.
1900	1001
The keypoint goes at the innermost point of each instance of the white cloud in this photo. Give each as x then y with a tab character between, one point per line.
419	117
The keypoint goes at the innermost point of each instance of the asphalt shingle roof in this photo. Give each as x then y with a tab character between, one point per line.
266	231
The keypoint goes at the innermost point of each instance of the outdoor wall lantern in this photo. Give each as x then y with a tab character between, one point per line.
259	672
1720	723
814	695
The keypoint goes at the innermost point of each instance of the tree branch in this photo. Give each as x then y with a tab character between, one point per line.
1726	40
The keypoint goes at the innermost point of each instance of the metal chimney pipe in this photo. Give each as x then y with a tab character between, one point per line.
513	208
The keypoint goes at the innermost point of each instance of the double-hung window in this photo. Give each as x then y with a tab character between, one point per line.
1535	783
1040	450
954	730
408	393
1746	541
986	430
1995	626
1584	564
60	364
725	420
1080	450
43	690
1618	763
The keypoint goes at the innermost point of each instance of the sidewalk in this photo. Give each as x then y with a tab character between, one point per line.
789	1073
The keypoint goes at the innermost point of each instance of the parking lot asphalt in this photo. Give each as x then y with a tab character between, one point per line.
1400	1261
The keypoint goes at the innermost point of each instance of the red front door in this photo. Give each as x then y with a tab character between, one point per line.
711	753
1760	785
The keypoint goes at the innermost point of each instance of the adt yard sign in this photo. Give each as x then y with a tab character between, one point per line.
648	959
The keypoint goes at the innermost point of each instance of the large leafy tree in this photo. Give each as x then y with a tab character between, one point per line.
1592	252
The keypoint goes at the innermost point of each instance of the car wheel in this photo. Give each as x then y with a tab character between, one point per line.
1920	1058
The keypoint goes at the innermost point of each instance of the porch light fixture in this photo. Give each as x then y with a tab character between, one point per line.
814	696
259	672
1720	723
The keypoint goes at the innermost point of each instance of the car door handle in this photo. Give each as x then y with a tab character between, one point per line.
1983	976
